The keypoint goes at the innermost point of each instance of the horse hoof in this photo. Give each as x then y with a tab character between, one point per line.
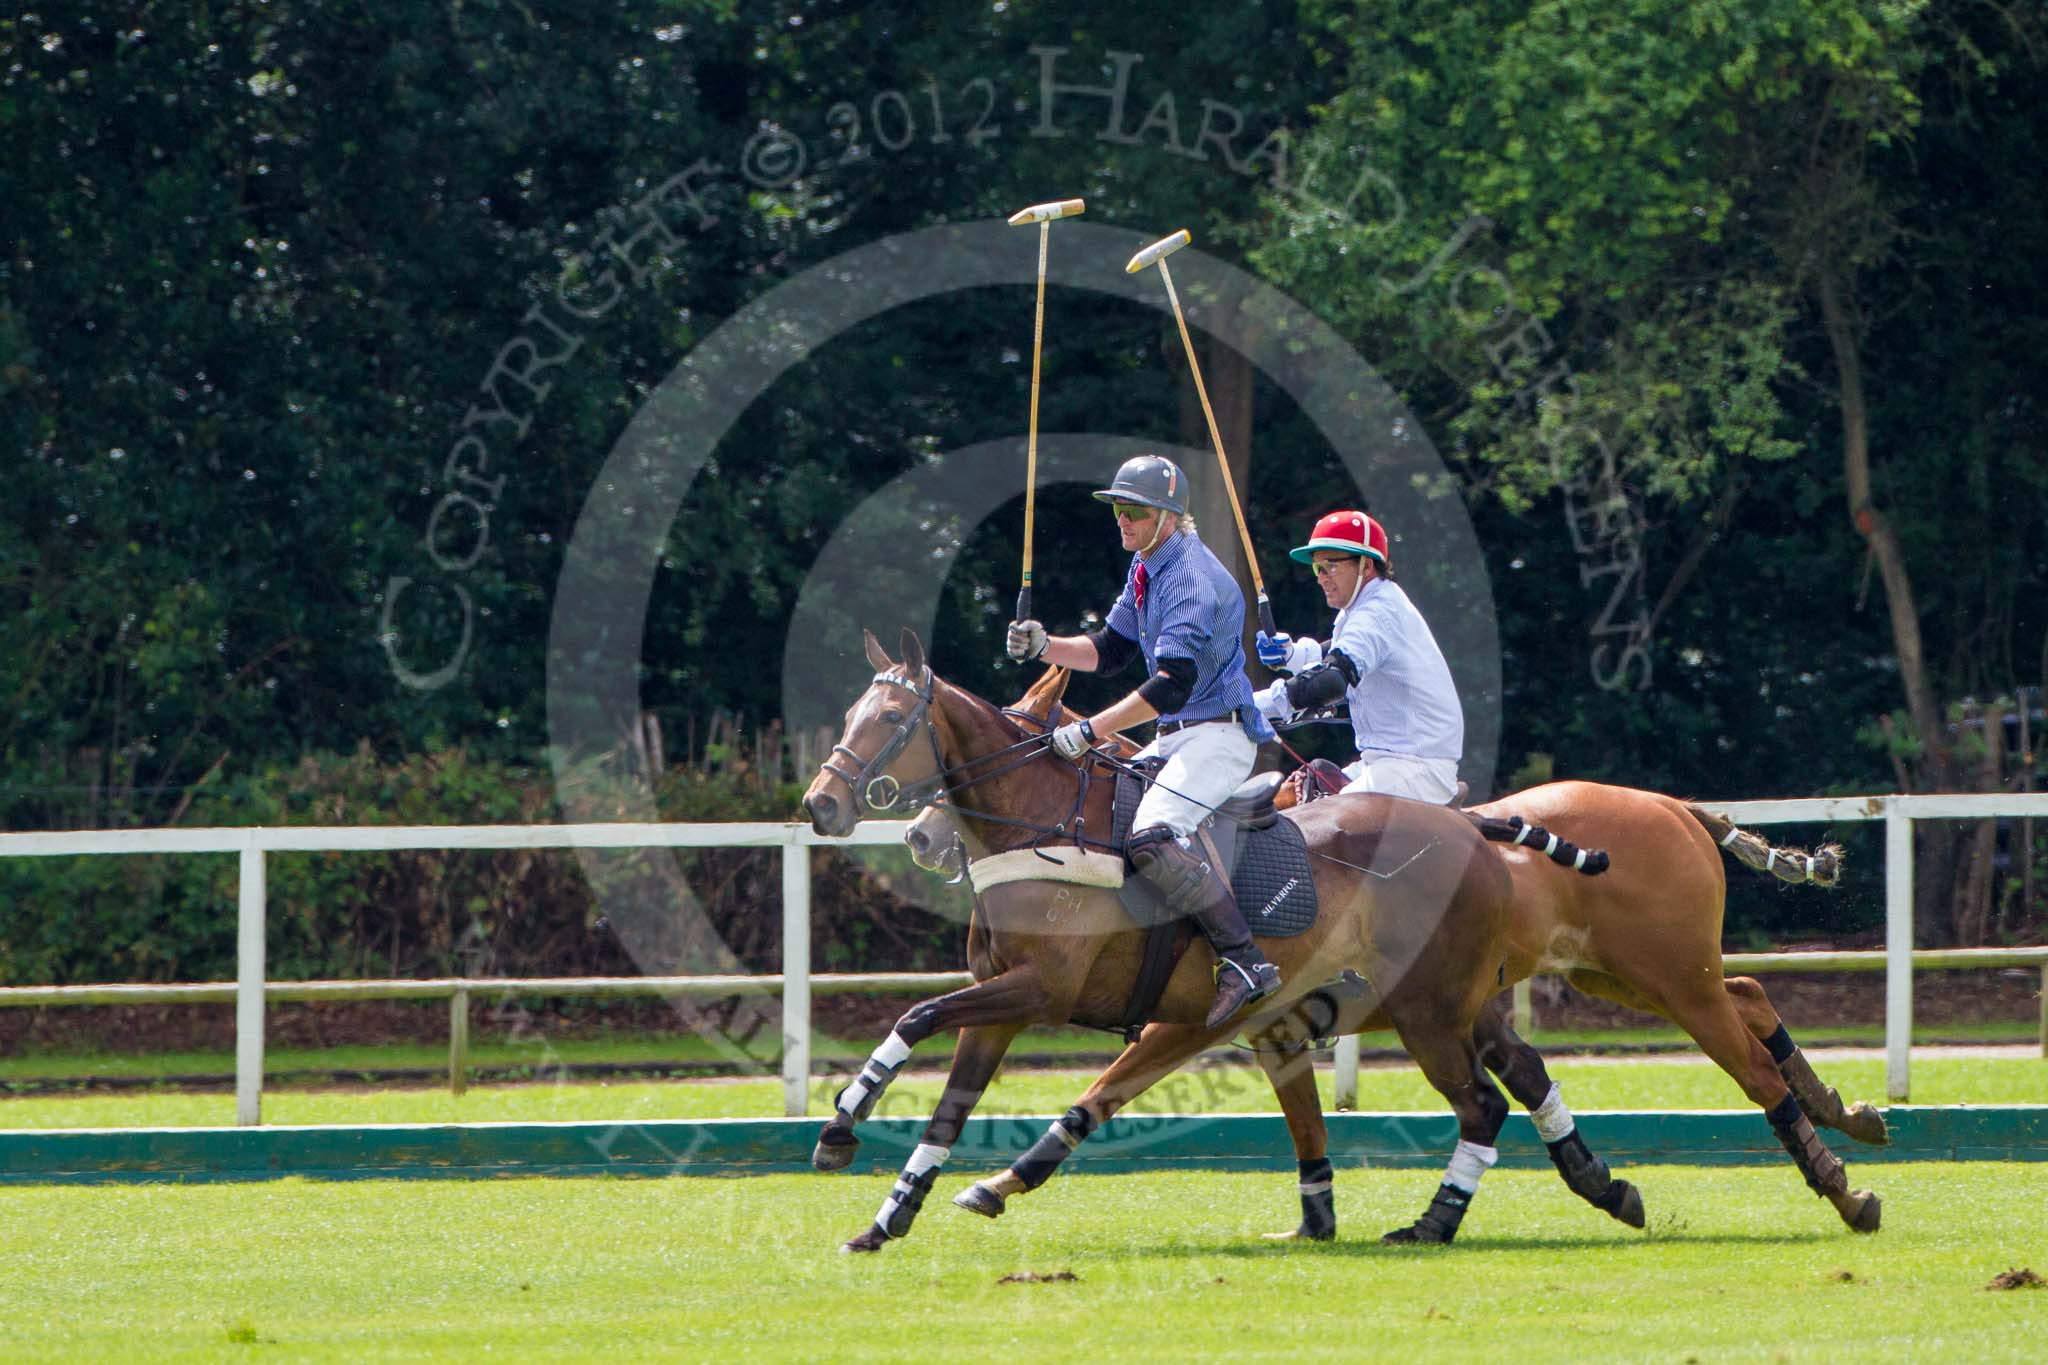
1629	1207
1864	1124
871	1240
979	1198
835	1148
1861	1210
1416	1234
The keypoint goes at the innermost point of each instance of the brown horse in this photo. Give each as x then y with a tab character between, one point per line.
1412	900
1647	934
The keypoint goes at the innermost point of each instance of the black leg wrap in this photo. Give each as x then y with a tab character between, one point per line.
1822	1168
904	1201
1781	1046
1584	1172
1068	1131
1318	1201
1439	1222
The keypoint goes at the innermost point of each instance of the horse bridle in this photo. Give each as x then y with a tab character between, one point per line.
873	788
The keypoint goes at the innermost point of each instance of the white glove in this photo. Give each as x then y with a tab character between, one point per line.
1302	655
1026	640
1073	739
1272	700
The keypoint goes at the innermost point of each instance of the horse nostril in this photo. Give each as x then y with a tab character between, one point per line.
919	844
820	806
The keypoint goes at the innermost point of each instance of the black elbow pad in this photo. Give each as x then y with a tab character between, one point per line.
1319	686
1169	689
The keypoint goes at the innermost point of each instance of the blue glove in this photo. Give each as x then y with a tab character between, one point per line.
1273	649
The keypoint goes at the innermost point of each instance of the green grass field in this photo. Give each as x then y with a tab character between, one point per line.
1239	1088
684	1051
1738	1265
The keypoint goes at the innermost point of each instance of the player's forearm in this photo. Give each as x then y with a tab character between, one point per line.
1132	710
1071	651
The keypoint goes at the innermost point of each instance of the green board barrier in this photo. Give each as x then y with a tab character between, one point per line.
769	1146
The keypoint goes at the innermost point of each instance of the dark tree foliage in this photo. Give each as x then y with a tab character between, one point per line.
268	266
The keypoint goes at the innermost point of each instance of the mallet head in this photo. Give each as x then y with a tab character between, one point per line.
1158	251
1046	213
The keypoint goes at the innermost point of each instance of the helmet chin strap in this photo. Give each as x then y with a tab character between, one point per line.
1356	588
1159	534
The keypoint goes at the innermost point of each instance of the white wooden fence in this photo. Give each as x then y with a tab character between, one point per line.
796	982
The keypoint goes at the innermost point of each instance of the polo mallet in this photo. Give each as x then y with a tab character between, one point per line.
1156	254
1043	215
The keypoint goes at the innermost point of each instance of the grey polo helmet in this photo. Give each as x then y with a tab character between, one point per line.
1151	481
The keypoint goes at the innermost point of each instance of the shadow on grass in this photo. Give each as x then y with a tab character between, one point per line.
1368	1245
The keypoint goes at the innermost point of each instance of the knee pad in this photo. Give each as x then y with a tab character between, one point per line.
1157	854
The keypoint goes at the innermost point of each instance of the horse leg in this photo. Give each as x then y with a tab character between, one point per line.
1014	997
1709	1015
1520	1068
1293	1074
975	1058
1821	1102
1159	1051
1450	1060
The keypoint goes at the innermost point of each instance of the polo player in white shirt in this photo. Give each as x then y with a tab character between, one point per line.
1381	658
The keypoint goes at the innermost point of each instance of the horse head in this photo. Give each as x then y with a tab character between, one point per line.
882	726
934	842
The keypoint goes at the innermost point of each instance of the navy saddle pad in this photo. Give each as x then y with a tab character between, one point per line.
1266	861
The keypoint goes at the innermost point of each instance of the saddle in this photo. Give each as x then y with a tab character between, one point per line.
1319	777
1265	858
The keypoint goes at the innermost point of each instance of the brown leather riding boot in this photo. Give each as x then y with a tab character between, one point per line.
1192	887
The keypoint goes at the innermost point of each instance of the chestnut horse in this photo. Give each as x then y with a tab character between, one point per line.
1646	935
1412	900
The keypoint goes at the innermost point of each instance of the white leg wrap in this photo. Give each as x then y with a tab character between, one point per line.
876	1075
1553	1121
925	1159
893	1052
1468	1163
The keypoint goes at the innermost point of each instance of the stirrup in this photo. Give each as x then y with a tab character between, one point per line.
1235	992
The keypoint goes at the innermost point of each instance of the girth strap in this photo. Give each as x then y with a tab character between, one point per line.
1164	943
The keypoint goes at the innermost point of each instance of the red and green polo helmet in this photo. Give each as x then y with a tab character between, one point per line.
1351	532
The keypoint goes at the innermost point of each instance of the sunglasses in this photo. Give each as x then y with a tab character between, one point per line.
1324	568
1131	511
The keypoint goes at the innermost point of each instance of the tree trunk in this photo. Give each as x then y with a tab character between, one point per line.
1877	531
1936	843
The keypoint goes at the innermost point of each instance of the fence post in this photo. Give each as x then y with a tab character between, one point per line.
796	978
1898	948
249	972
2044	1009
1347	1072
1523	1020
458	1041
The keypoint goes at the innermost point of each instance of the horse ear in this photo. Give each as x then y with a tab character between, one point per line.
876	655
1043	700
913	653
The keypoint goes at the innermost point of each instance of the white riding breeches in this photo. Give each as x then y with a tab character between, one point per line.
1434	780
1204	765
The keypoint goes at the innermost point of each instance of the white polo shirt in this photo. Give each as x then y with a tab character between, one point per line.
1404	701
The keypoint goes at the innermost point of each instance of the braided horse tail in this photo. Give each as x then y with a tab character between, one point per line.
1515	830
1822	867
